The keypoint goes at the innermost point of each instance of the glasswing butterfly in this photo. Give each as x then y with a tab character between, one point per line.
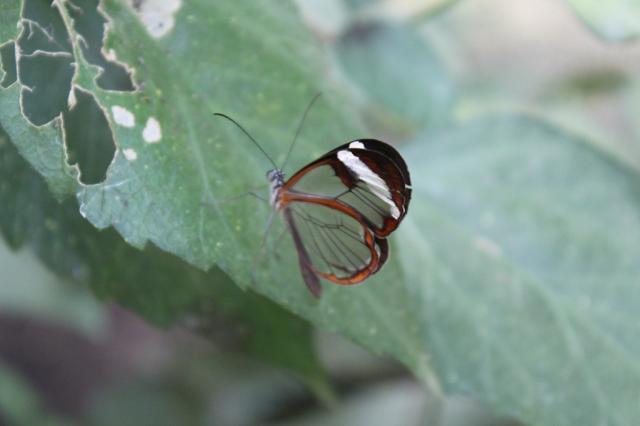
340	208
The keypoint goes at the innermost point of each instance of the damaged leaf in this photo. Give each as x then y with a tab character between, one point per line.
158	286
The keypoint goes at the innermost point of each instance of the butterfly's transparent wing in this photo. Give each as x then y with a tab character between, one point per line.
332	245
340	248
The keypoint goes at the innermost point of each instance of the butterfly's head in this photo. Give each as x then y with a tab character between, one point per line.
276	176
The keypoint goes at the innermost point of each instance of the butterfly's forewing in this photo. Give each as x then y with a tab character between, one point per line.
368	176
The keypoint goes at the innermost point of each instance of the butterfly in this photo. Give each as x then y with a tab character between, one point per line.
340	208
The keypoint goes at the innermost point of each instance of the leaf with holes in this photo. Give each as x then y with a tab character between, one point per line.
146	281
175	164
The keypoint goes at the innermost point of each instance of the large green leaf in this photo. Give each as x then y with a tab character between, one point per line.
613	20
254	62
521	254
249	69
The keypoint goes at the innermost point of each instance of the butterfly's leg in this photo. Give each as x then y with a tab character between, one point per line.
217	204
244	194
276	254
261	250
267	227
274	246
274	249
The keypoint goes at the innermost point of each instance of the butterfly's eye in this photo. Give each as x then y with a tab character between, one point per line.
271	174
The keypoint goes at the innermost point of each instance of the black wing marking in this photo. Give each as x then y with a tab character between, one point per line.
367	175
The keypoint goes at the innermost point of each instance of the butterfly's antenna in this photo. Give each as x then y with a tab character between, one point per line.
295	137
248	135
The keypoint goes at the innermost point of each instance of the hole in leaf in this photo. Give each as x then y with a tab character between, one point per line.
44	64
88	138
157	16
8	63
44	29
47	81
90	24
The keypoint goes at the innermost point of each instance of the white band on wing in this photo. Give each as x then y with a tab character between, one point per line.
373	181
356	145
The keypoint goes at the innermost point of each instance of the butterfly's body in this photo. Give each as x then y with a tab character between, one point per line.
276	182
340	209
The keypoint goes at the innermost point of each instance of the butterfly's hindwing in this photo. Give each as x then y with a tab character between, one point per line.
339	247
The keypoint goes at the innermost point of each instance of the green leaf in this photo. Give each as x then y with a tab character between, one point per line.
200	159
521	254
9	14
257	66
7	64
169	190
172	191
42	145
155	284
613	20
397	70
